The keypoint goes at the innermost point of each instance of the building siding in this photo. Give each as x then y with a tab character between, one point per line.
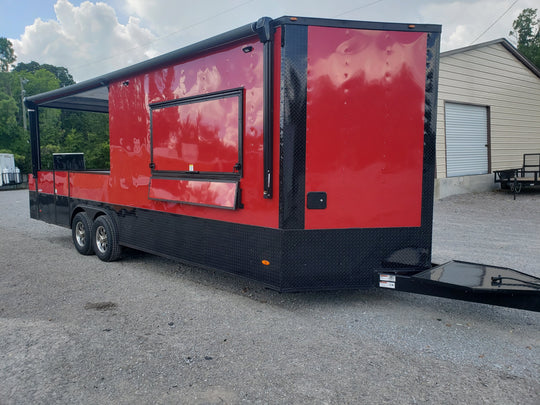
492	76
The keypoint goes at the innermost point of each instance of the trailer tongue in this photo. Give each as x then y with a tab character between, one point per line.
470	282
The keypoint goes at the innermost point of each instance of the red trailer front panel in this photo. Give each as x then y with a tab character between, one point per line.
364	127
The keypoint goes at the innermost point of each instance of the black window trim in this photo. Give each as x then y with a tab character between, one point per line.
218	95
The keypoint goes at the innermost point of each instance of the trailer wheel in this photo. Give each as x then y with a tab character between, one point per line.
105	239
515	188
81	232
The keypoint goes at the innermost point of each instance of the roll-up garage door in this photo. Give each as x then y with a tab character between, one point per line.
466	139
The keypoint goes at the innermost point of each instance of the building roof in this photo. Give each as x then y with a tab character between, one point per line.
506	44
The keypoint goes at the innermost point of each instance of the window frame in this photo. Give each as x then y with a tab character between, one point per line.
205	175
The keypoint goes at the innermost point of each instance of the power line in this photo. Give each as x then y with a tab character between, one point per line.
358	8
146	44
494	22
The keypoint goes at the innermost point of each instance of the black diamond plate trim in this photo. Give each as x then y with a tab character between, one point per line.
293	126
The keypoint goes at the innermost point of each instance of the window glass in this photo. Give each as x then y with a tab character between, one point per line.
198	135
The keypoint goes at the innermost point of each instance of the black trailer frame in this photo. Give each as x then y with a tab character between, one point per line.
526	176
466	281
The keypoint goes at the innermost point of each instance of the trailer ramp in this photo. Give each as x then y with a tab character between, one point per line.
470	282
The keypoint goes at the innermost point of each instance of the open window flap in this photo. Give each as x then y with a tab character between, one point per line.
218	194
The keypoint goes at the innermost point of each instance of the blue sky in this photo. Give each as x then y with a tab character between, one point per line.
92	38
17	14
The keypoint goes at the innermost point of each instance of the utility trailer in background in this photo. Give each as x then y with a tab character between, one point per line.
298	152
527	175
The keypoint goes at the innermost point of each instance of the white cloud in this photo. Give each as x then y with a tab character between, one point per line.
460	37
88	40
177	24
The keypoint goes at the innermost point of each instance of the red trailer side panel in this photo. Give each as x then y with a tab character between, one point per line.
46	182
130	132
365	127
90	186
31	182
61	184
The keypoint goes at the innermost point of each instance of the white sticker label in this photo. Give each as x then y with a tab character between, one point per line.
387	277
387	284
191	168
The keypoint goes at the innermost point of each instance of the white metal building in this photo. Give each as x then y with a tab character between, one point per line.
488	115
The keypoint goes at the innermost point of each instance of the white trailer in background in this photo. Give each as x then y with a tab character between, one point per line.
9	173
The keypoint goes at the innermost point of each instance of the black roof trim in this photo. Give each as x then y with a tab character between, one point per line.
141	67
354	24
506	44
80	104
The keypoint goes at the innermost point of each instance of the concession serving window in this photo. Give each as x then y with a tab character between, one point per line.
201	134
196	145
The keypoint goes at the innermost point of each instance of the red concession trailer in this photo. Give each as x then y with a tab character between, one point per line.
298	152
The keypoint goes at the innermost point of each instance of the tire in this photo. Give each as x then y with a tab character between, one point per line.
515	188
105	239
81	233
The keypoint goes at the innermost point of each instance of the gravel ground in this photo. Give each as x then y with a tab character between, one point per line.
148	330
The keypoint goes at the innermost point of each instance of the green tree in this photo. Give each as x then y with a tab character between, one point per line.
7	55
9	128
60	72
13	138
526	29
11	131
51	135
60	130
87	132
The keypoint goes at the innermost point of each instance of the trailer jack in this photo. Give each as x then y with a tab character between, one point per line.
469	282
